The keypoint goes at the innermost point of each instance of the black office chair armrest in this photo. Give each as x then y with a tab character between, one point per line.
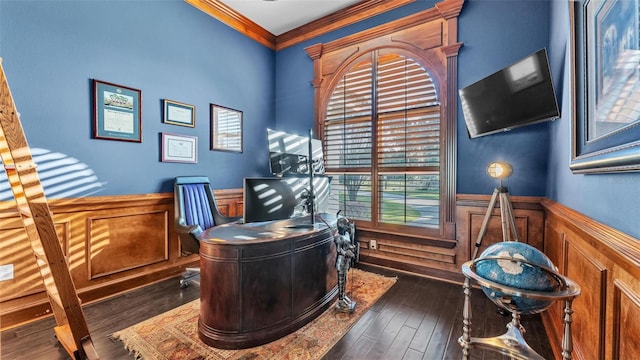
183	228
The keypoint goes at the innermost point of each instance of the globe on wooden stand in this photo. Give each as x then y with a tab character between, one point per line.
520	266
518	278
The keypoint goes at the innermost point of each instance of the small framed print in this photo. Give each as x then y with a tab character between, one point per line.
177	113
179	148
117	112
226	129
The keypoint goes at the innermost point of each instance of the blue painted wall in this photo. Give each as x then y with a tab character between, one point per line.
495	34
509	31
169	50
612	199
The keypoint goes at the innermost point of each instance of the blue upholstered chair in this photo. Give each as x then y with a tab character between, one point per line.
195	211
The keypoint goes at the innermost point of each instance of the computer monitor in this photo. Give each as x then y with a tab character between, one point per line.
279	198
289	154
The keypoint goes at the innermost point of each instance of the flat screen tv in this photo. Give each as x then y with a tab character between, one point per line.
518	95
279	198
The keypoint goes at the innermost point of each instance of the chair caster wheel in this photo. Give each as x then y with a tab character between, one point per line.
184	284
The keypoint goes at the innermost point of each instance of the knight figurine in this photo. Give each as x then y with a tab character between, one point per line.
345	253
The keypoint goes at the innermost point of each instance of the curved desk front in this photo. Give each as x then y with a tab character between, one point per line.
262	281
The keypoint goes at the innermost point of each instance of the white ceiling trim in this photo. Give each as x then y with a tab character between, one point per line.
280	16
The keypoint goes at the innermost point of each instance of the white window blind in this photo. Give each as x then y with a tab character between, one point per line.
382	143
347	133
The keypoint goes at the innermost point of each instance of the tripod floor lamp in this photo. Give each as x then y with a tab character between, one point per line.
499	170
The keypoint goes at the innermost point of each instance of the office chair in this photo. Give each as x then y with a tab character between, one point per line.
195	211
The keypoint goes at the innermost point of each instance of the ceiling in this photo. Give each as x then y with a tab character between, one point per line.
280	16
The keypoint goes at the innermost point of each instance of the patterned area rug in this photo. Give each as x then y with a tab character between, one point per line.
174	334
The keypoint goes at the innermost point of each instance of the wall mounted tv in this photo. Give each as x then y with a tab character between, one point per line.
518	95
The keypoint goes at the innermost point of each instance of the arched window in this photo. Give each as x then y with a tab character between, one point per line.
381	139
381	110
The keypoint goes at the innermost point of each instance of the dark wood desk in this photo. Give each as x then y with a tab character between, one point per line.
262	281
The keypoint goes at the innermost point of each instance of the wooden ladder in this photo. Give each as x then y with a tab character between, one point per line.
71	330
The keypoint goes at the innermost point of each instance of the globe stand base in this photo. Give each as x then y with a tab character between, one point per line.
510	344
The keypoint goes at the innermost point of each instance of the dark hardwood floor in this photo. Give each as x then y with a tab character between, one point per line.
417	318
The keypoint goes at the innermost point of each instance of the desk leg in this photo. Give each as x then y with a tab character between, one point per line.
567	342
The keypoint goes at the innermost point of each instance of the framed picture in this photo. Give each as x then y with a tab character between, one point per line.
226	129
117	112
179	148
605	56
177	113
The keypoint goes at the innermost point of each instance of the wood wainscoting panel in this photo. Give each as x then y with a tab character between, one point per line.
494	229
410	253
606	264
626	320
470	213
230	201
112	244
589	317
19	253
126	241
555	246
443	258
